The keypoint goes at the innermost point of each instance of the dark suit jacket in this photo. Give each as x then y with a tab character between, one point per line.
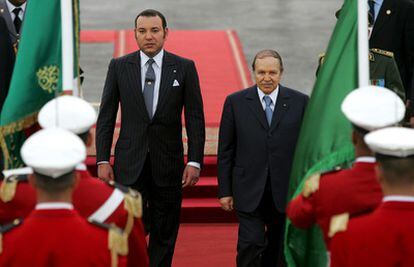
4	12
394	31
161	136
7	58
250	151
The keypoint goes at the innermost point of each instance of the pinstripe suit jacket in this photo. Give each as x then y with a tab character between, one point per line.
161	136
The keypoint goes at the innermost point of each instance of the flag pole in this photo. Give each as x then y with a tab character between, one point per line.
67	47
363	67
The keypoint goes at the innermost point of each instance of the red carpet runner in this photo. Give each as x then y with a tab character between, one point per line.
222	69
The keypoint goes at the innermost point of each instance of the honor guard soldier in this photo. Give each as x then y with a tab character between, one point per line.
93	198
383	71
54	234
354	190
385	237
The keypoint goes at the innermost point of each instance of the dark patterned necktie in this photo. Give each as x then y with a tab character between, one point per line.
371	12
149	87
17	21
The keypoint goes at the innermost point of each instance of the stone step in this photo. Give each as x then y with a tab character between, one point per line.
205	210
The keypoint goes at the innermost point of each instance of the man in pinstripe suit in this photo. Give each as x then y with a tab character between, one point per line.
153	86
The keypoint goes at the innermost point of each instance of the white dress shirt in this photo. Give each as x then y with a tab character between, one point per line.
399	198
11	7
157	66
273	95
365	159
54	206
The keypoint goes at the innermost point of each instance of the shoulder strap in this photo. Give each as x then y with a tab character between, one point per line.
109	207
11	179
117	240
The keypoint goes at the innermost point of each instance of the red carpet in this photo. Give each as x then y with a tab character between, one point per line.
222	70
218	55
219	59
206	245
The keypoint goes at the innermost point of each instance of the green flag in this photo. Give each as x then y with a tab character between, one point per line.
37	74
325	138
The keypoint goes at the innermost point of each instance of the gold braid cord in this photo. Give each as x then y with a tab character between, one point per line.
8	190
117	244
11	128
133	205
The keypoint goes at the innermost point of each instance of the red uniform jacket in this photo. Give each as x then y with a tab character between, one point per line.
56	238
354	190
89	196
21	205
382	239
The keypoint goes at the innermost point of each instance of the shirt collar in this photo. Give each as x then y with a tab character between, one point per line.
158	58
399	198
273	95
365	159
11	7
54	206
378	2
81	167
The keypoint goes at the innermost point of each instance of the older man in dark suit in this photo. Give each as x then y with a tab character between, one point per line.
258	133
152	87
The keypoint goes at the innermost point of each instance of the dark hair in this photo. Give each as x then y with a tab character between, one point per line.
152	13
267	53
397	171
84	136
360	130
54	185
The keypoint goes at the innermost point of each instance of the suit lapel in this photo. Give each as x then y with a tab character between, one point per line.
282	105
167	78
383	17
134	81
5	13
256	107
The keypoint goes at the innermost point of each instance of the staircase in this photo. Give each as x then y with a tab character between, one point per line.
200	203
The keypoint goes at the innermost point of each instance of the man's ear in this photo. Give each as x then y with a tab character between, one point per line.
32	180
77	180
354	137
166	31
89	139
379	173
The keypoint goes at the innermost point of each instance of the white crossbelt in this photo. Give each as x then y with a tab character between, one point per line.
110	205
19	171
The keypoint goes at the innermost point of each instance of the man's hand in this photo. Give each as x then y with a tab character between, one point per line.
190	176
226	203
105	172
